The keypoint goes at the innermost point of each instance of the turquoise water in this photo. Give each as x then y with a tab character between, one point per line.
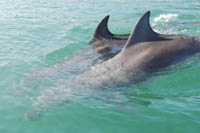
36	37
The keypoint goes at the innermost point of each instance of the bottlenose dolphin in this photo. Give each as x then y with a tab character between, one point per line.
144	53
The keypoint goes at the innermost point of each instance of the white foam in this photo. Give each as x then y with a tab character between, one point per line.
165	17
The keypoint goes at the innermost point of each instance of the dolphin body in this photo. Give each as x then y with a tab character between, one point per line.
144	53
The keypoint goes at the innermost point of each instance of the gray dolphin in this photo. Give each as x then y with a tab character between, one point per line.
144	53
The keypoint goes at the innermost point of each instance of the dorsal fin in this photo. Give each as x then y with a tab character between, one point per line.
102	29
142	32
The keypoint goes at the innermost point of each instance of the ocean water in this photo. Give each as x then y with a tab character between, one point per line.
40	40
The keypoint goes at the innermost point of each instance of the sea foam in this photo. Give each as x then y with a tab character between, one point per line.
165	17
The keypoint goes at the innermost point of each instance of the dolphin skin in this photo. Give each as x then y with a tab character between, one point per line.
144	53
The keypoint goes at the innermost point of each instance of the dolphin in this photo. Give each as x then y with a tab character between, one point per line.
145	52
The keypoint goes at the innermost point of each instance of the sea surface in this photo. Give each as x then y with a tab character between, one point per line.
42	43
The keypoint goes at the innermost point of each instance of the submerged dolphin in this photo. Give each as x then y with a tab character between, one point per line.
145	52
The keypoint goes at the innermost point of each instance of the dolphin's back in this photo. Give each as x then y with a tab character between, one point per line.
161	54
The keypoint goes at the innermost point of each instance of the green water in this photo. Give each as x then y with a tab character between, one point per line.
35	33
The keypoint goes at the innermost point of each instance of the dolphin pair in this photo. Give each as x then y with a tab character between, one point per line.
144	52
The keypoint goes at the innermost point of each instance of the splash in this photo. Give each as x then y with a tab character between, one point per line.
165	17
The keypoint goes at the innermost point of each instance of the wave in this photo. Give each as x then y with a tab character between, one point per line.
165	17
